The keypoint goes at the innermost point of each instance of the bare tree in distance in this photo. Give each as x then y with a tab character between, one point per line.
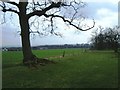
45	13
106	38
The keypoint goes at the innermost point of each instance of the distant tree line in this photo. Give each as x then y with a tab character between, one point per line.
106	38
43	47
61	46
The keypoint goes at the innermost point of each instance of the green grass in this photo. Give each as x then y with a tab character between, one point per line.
97	69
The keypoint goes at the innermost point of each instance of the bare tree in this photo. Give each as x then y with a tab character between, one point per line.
68	11
107	38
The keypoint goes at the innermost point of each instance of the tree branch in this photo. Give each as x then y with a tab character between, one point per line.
41	12
70	22
13	3
4	9
11	10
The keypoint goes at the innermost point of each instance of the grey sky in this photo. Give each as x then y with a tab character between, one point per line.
104	13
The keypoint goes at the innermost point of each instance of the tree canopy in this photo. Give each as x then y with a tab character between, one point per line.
68	11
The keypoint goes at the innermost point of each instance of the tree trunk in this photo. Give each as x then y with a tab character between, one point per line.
115	47
25	37
25	34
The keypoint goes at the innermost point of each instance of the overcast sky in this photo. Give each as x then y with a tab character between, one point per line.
104	12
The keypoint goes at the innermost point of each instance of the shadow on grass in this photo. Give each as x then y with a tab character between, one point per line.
11	65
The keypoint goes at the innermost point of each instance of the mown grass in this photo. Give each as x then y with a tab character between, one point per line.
96	69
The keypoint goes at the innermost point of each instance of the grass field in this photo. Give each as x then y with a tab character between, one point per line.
78	69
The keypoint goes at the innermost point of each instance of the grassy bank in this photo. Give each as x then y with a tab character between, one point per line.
78	69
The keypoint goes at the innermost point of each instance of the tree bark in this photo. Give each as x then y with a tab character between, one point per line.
25	38
25	34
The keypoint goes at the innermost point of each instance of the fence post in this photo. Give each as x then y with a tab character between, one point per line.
63	53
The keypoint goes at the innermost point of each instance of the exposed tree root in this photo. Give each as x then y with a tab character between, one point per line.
35	61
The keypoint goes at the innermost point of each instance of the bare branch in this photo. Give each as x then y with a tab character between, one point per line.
39	5
41	12
11	10
13	3
65	20
58	5
10	2
4	9
1	6
52	30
